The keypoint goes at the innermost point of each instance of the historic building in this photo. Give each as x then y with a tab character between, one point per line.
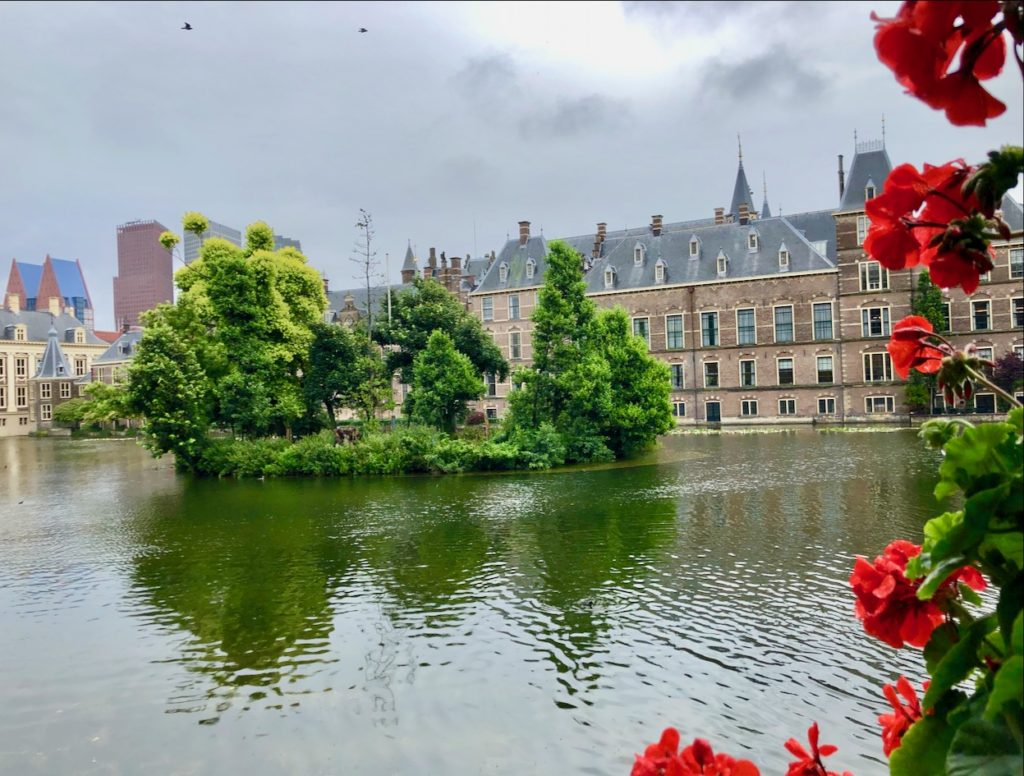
760	318
41	356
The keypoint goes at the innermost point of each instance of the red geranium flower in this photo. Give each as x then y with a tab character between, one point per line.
887	601
905	714
698	759
810	764
656	757
910	349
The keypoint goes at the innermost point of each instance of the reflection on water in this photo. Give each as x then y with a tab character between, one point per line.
515	624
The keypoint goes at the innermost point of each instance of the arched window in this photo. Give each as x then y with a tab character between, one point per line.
503	272
869	190
638	255
723	264
659	272
694	247
531	267
752	243
783	257
609	278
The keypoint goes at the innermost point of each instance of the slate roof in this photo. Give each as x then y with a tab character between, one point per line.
1012	213
378	294
37	326
741	193
870	164
410	259
123	348
515	257
817	226
54	364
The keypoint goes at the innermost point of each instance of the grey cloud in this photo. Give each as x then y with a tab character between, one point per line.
569	117
676	15
773	75
489	81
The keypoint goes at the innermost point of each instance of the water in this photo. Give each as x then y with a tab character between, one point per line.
512	624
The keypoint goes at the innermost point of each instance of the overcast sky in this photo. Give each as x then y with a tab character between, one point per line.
448	122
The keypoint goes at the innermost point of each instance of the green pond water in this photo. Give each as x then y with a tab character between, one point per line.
152	623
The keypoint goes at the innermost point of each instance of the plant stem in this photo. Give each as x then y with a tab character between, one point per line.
981	377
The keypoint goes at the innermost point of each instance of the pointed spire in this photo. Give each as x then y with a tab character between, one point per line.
741	193
410	258
739	145
883	130
53	364
765	210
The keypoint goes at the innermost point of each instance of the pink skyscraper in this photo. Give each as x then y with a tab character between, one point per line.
144	271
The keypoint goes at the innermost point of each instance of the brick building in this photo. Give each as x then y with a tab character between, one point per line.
761	318
145	272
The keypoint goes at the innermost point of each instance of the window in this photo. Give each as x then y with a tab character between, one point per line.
980	316
21	397
659	272
79	366
638	255
985	403
609	278
19	333
20	367
3	366
45	411
874	322
783	257
785	367
746	329
877	367
787	406
1019	350
694	247
22	421
1016	263
679	409
723	265
823	320
513	307
748	408
713	411
710	374
947	317
488	308
531	268
492	413
45	390
1017	311
862	229
502	272
825	370
676	372
751	241
492	385
879	404
641	328
748	374
709	329
826	405
869	191
673	332
3	397
784	323
873	276
515	350
79	336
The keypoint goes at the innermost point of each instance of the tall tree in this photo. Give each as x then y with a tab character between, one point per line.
443	380
366	257
346	370
428	307
928	302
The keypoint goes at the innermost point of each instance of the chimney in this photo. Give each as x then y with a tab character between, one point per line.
719	215
54	306
744	213
842	178
457	262
432	260
14	303
656	226
602	230
524	232
125	328
444	261
325	284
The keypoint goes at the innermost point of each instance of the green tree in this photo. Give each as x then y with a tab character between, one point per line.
71	413
443	380
928	302
107	403
428	307
331	380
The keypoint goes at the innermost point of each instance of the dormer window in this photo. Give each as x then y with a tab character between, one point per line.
503	272
609	278
752	241
869	190
638	255
694	247
659	272
531	267
79	336
723	265
20	333
783	257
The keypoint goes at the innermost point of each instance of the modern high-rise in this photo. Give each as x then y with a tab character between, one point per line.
145	271
193	243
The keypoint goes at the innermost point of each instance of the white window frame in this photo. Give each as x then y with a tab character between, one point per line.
832	368
790	405
778	372
694	247
65	390
862	229
948	312
46	391
503	272
21	367
826	410
792	323
638	254
753	241
988	314
679	409
677	367
718	374
718	329
46	412
983	351
1017	253
748	408
20	333
515	346
81	365
1014	322
869	371
739	310
491	385
783	258
3	397
519	307
609	278
884	320
864	269
889	402
753	374
79	336
870	192
531	268
722	265
682	332
647	326
21	396
659	272
487	308
831	320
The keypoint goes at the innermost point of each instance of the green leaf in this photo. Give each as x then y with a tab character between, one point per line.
938	575
936	433
1016	420
1017	639
982	748
1008	610
1010	545
969	595
942	639
1008	686
959	661
923	749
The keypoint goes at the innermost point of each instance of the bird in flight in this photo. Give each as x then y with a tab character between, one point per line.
363	29
187	26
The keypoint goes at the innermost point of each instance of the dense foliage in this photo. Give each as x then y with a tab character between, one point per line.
443	381
345	370
592	379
